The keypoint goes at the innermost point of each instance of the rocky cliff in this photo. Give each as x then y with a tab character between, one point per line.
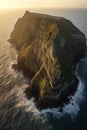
48	49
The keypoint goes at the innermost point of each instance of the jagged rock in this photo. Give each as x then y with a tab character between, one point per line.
48	49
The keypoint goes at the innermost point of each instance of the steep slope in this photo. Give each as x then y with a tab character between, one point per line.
48	50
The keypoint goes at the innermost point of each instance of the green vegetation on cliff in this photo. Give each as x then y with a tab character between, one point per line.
48	48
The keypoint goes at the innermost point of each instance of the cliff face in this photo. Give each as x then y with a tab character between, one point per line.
48	49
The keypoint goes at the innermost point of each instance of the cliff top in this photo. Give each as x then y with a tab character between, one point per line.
66	26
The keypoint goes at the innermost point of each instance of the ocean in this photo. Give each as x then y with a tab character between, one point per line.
19	113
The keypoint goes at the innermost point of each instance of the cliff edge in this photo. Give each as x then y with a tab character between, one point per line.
48	50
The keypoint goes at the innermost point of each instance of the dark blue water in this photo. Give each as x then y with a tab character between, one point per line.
19	113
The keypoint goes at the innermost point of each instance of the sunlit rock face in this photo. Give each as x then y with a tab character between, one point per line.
48	49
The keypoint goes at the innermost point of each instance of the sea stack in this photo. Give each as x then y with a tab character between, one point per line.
49	49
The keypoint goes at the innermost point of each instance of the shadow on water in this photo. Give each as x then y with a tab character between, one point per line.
80	121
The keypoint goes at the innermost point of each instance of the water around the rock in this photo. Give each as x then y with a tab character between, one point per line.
16	111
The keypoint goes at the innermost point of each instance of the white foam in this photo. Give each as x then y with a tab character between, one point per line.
29	105
70	109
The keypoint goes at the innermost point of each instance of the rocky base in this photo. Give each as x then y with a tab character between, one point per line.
53	99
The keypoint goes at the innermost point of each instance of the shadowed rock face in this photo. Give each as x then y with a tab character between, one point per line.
48	50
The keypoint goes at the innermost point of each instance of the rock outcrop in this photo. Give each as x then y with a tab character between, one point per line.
48	49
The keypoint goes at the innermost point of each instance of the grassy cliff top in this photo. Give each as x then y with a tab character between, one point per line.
66	26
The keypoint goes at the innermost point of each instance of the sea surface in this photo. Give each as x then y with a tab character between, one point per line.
19	113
